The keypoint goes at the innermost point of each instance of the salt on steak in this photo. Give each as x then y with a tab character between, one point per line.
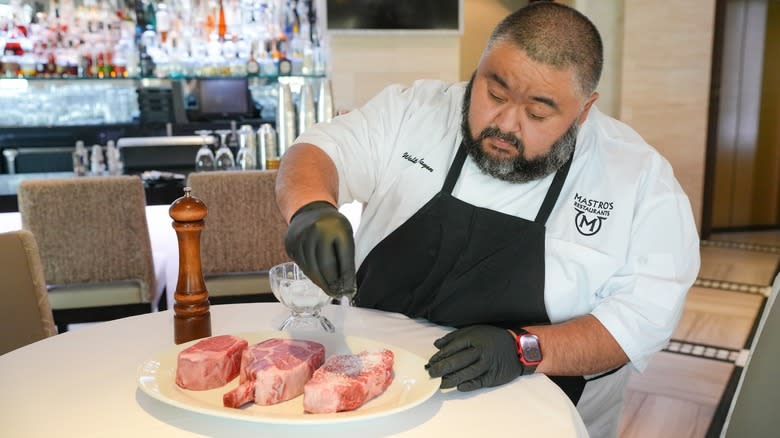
274	371
210	363
346	382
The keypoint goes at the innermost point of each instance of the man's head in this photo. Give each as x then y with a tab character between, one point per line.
532	90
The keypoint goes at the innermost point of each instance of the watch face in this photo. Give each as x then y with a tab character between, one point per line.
530	346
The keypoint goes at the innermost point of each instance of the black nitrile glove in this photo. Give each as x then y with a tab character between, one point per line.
475	357
320	241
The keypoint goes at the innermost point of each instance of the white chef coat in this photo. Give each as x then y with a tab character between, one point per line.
621	243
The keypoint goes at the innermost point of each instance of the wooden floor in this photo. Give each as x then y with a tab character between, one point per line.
686	390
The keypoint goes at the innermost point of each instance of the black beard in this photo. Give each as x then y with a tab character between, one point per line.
518	169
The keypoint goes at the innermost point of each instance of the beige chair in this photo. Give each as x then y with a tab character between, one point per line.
754	408
244	233
94	245
25	313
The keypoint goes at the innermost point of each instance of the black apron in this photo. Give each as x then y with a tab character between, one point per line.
456	264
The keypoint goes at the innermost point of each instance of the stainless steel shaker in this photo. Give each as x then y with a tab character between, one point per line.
285	118
325	109
247	151
306	109
268	151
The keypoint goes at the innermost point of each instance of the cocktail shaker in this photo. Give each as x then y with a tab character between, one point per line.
285	119
269	153
247	150
325	108
306	110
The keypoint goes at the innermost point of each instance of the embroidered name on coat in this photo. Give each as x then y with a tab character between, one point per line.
416	160
591	213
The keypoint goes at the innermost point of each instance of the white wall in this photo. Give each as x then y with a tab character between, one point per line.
362	65
667	54
607	15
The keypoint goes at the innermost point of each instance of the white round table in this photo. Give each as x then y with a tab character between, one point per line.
84	383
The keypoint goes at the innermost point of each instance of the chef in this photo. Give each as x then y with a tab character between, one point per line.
551	236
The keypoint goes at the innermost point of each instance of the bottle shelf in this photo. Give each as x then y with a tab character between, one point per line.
140	78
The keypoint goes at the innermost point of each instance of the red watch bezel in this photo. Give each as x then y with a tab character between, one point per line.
521	353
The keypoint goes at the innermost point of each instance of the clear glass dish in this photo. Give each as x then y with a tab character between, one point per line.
299	294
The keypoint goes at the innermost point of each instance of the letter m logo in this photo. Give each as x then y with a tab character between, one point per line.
585	225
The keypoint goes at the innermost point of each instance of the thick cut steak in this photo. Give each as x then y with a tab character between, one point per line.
275	370
346	382
210	363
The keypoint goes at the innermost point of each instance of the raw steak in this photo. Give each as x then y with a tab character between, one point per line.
210	363
346	382
275	370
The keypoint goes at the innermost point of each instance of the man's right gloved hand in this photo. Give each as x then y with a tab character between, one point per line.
320	241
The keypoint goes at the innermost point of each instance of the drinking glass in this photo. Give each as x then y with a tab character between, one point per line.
204	159
224	159
299	294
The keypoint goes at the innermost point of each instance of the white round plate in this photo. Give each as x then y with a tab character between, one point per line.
411	385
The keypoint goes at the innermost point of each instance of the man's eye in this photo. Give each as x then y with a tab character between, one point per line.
533	116
496	98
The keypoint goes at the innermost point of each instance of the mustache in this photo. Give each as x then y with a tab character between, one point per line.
495	132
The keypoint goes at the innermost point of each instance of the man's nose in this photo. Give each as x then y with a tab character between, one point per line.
508	120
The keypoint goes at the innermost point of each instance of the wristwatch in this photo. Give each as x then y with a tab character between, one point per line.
529	352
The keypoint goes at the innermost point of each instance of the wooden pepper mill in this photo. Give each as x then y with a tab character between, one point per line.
192	319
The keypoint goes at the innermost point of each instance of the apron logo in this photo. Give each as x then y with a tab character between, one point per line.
590	214
416	160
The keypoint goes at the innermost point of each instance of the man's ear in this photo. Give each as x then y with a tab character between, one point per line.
586	108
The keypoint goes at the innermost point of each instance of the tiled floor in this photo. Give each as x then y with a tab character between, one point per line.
682	390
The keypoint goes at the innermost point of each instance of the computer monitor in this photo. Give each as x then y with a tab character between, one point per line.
224	98
357	16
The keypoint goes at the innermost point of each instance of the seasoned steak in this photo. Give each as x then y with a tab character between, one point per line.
275	370
346	382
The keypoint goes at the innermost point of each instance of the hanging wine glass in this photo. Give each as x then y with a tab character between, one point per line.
204	159
224	157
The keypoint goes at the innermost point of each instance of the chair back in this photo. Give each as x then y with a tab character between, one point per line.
753	410
25	313
244	229
90	230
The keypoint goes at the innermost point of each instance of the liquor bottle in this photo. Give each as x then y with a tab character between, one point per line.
150	16
252	66
146	62
163	22
313	28
304	20
283	63
291	21
211	19
222	24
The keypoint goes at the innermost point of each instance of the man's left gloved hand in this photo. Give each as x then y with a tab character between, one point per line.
475	357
